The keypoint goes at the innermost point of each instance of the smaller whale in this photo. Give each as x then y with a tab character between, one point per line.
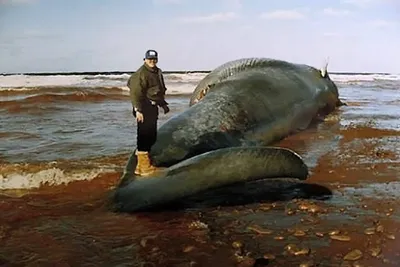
203	172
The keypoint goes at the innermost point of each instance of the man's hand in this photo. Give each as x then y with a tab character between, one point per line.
139	116
166	109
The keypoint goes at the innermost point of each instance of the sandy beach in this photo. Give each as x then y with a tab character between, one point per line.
346	214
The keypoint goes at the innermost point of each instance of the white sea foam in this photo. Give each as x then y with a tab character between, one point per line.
177	83
51	177
346	78
37	81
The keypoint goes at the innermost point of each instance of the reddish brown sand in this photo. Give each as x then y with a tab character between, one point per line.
72	225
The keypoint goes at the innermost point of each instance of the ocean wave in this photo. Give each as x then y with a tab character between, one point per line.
35	175
177	83
179	88
112	80
102	77
39	100
32	109
370	77
46	177
120	80
14	91
18	135
185	77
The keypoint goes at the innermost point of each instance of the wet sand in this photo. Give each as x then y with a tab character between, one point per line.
346	214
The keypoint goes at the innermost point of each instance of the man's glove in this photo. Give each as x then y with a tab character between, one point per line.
166	109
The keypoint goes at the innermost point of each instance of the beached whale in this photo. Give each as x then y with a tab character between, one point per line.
236	110
209	170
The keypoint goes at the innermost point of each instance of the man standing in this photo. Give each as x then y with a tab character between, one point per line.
147	92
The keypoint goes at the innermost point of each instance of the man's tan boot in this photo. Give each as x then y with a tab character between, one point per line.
144	167
138	170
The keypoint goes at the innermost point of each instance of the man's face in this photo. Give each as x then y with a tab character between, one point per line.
151	62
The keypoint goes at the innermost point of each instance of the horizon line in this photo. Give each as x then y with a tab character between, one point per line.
164	72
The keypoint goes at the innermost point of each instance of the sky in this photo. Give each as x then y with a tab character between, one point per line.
113	35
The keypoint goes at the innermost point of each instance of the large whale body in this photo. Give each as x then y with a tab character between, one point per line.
245	102
235	112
